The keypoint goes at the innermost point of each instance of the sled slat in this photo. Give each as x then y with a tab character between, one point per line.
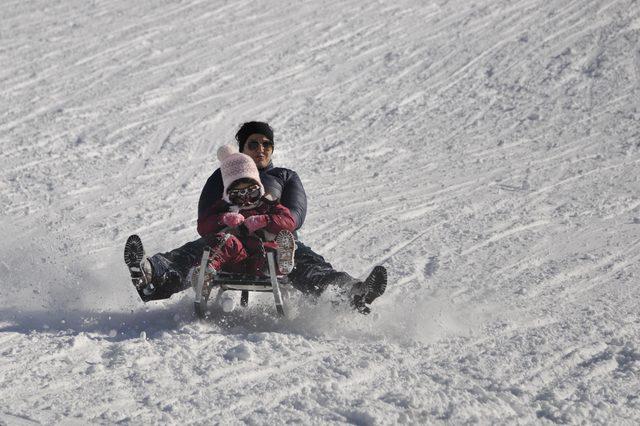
200	303
274	283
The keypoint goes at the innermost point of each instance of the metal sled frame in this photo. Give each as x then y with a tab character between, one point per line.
240	282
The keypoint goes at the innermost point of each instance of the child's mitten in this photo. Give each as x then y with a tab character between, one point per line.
232	219
253	223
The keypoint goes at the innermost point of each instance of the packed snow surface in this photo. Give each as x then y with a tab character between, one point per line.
487	153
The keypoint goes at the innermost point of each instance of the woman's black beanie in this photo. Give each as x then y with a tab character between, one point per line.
251	127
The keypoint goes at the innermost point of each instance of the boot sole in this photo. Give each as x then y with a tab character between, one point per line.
286	251
376	284
133	255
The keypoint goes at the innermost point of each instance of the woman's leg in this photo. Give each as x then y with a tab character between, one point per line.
312	274
170	269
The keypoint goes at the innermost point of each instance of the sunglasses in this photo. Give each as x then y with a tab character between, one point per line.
244	196
254	145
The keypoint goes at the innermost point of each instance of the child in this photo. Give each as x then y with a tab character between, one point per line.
236	226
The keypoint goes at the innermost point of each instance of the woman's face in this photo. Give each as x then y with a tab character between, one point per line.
259	148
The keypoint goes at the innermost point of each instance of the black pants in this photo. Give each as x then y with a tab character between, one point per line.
312	274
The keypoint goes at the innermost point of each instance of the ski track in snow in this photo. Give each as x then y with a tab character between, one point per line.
486	153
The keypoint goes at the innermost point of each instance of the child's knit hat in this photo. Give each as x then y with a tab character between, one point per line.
234	166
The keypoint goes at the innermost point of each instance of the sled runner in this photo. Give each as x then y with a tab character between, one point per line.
279	258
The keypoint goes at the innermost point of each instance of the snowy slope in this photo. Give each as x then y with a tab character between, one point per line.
487	153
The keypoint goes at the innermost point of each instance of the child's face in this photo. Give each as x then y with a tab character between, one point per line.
244	194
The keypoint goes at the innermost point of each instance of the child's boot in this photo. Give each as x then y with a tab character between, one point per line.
286	251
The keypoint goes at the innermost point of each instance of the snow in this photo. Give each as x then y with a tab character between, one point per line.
485	152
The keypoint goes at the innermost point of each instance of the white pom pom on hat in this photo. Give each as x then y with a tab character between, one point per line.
235	165
226	150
